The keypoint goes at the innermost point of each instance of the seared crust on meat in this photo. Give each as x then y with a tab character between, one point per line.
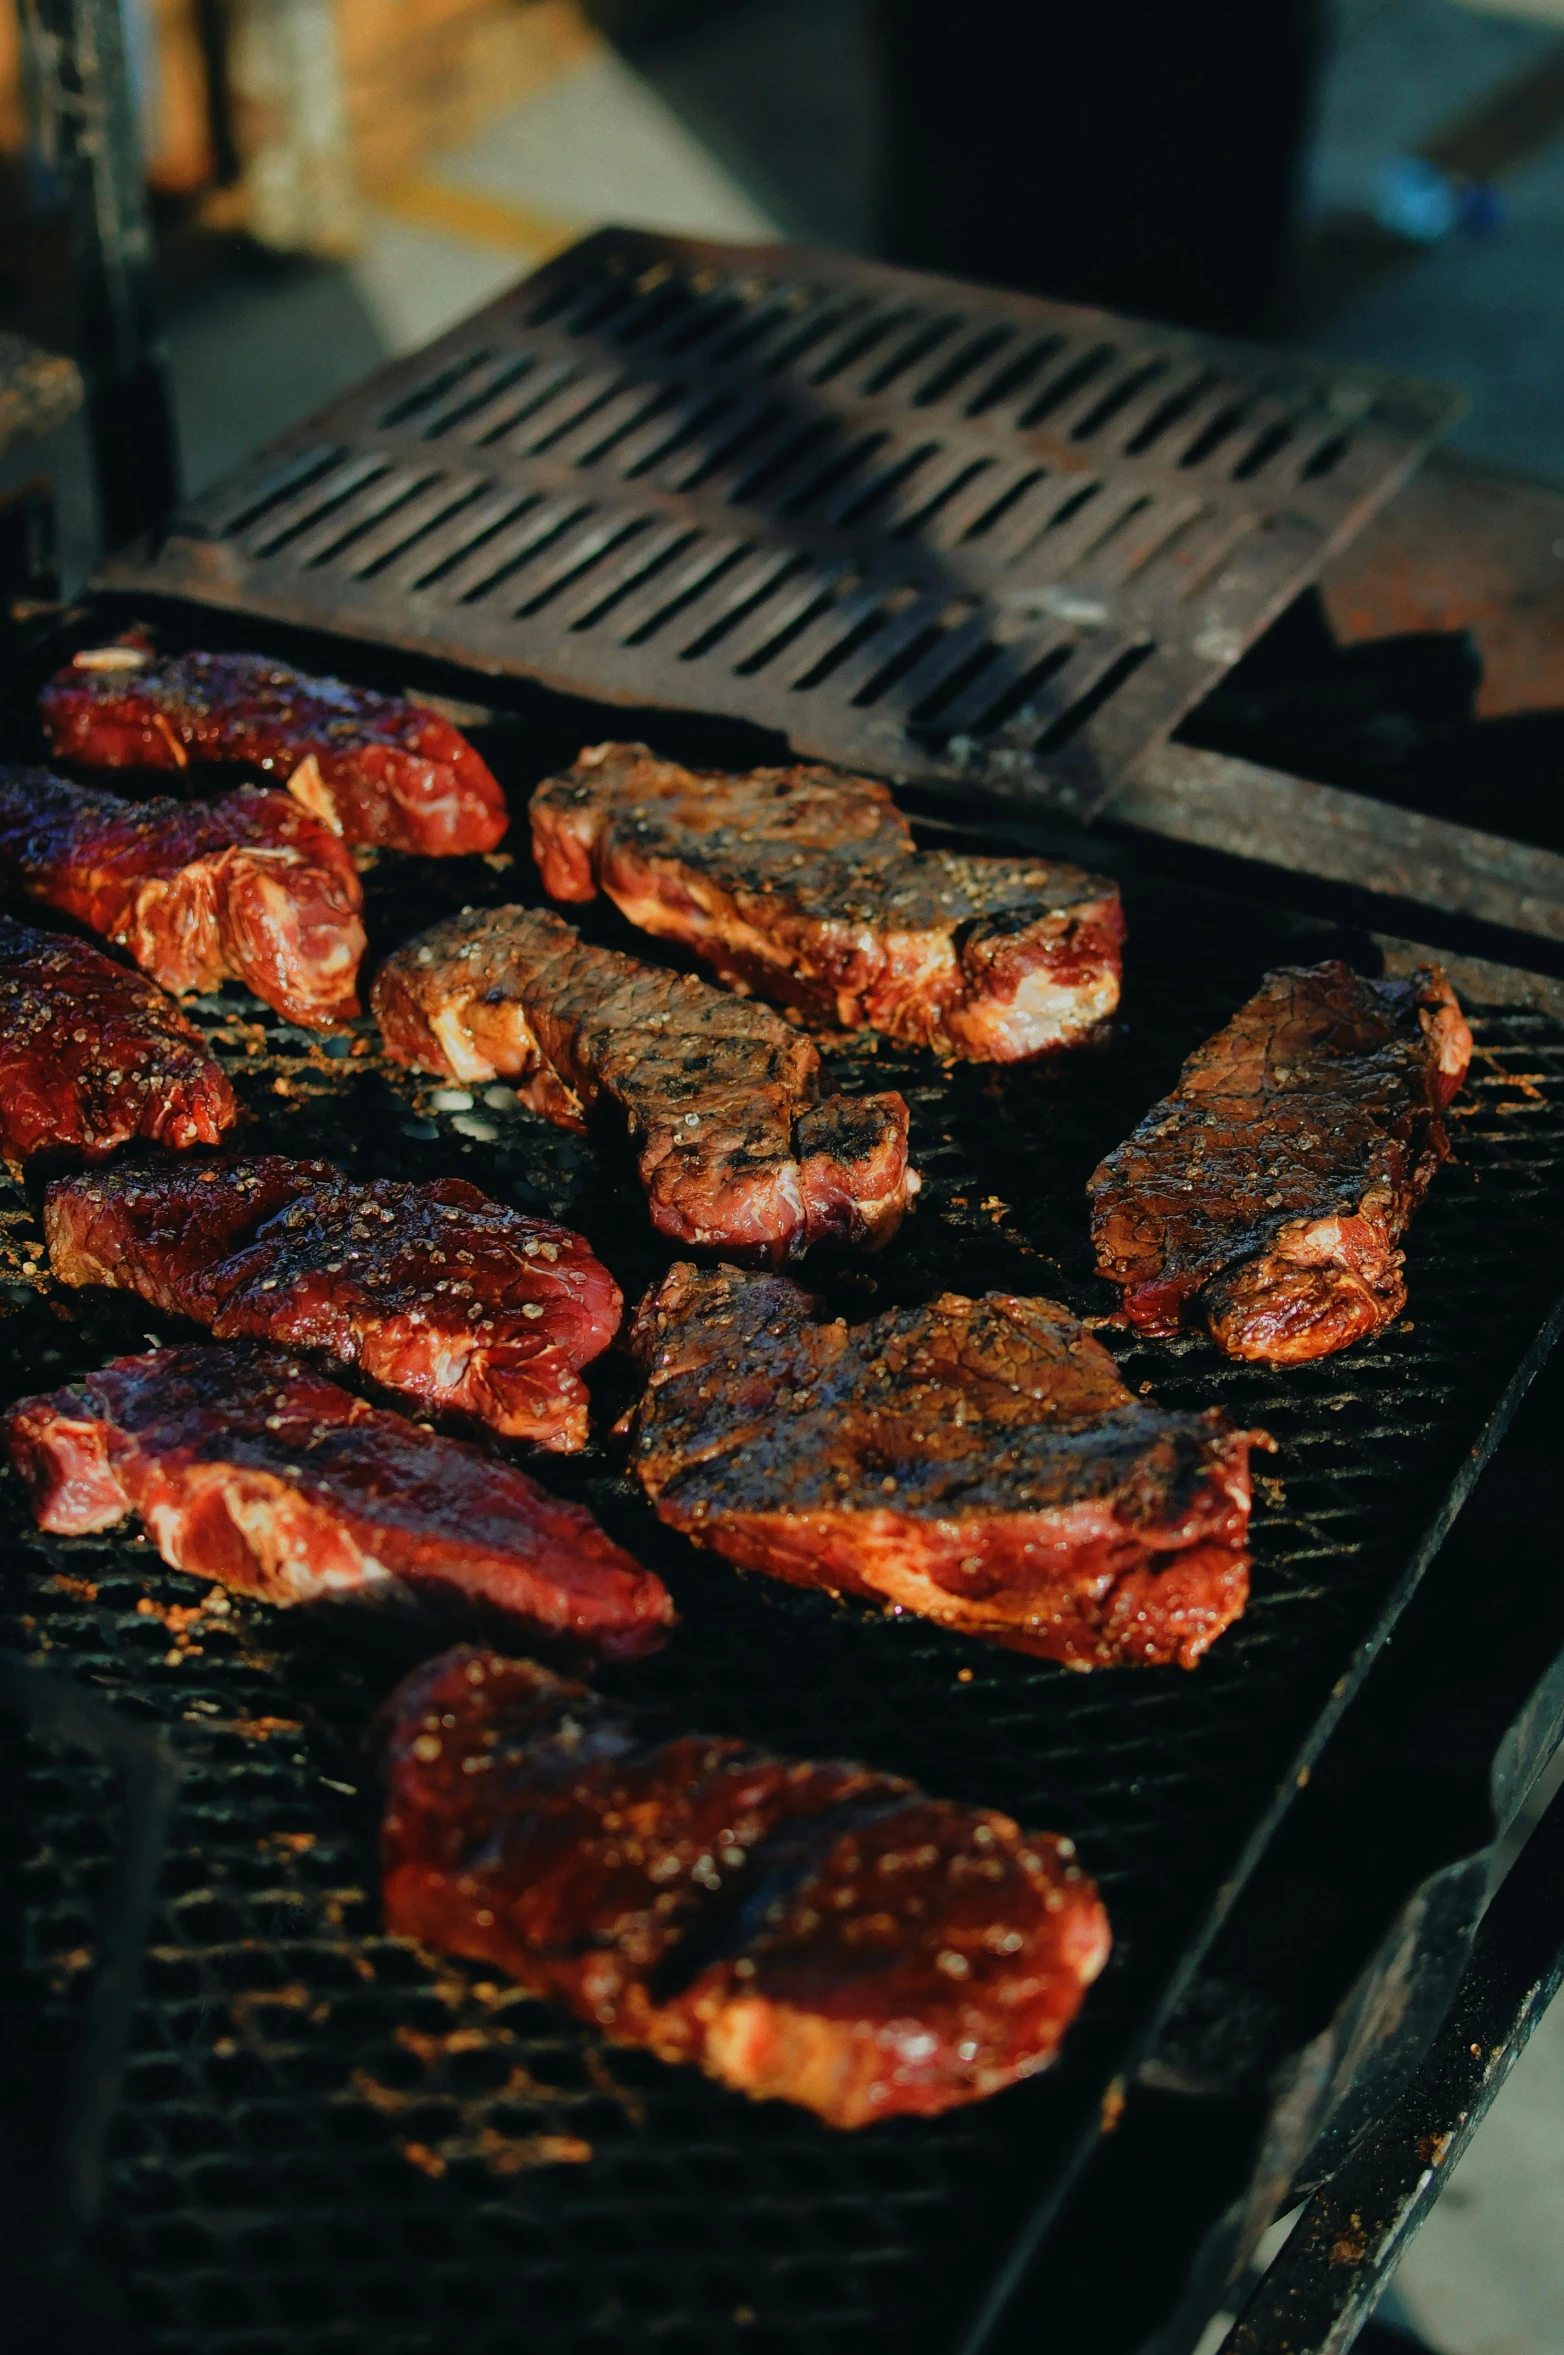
977	1461
804	885
250	888
93	1054
435	1291
1265	1197
375	768
821	1934
718	1095
250	1468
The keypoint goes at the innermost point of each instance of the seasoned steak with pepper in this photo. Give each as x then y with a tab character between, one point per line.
1264	1199
435	1291
821	1934
804	885
249	1468
736	1148
976	1461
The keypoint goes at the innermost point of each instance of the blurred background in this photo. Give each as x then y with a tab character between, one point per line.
333	182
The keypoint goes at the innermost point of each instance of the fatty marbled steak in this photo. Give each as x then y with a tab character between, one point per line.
805	886
736	1147
248	1467
1265	1197
249	888
976	1461
821	1934
436	1291
92	1055
376	768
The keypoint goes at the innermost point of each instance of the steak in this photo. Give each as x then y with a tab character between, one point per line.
720	1097
1265	1197
248	1467
376	768
804	885
821	1934
250	888
976	1461
434	1292
92	1054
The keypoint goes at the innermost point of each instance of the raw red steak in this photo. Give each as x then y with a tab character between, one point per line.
1265	1198
433	1291
250	1468
805	885
820	1934
92	1054
377	768
721	1098
976	1461
250	888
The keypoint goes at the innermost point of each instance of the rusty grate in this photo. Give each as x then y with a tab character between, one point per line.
932	530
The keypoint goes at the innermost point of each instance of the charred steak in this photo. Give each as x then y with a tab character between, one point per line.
92	1054
976	1461
433	1291
1265	1197
720	1097
250	1468
250	888
821	1934
376	768
804	885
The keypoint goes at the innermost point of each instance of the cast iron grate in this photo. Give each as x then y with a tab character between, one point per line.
334	2142
932	530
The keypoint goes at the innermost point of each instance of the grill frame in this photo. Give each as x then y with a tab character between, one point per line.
947	533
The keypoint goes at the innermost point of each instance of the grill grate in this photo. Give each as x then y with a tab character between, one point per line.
937	531
334	2142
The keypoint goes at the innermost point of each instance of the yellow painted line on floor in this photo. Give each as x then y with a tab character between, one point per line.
475	219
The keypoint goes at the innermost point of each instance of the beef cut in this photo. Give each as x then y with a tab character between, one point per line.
434	1291
804	885
821	1934
1264	1199
248	1467
250	888
376	768
93	1054
976	1461
721	1098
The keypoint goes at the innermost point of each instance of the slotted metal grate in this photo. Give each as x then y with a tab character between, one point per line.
333	2142
940	532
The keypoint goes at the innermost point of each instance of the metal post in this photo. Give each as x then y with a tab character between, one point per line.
87	132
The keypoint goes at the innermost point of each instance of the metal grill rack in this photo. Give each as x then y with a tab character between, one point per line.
332	2141
943	533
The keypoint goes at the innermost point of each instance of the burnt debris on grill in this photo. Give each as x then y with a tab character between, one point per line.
736	1149
377	769
819	1933
435	1292
805	886
1265	1197
976	1461
250	888
92	1055
248	1467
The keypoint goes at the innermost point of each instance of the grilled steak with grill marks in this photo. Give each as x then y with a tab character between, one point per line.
976	1461
92	1054
804	885
719	1096
1265	1197
822	1934
250	888
433	1291
250	1468
376	768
